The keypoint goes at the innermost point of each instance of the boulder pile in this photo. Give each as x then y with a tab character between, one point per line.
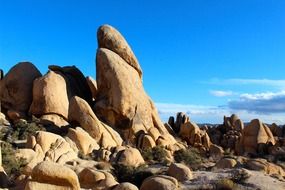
63	130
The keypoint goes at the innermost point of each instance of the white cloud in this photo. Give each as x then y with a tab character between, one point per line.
269	102
221	93
215	114
239	81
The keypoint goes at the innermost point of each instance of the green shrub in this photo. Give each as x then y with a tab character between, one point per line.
157	153
225	184
190	157
11	164
20	131
134	175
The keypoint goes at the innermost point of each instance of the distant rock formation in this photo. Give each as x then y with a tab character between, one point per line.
189	131
256	137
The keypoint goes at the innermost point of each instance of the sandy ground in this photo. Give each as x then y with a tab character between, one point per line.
257	180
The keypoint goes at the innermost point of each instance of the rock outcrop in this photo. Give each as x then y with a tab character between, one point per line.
121	101
91	178
49	175
256	137
180	172
16	87
93	86
193	135
181	118
75	81
161	182
226	163
233	123
49	147
109	38
50	96
81	113
265	167
84	142
129	157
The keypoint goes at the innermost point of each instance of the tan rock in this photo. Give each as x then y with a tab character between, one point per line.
110	38
80	112
216	152
265	167
89	177
181	118
276	130
161	182
121	100
233	123
191	133
83	140
145	142
95	179
55	174
60	152
226	163
33	185
126	186
25	153
75	81
130	157
50	95
255	134
180	172
54	119
92	85
16	87
50	147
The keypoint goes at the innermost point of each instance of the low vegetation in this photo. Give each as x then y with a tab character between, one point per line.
240	176
155	154
20	131
11	164
134	175
8	135
190	157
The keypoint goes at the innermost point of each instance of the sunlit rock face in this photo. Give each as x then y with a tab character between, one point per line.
121	100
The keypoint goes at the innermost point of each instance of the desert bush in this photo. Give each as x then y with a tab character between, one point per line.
190	157
225	184
240	176
20	131
157	153
10	163
134	175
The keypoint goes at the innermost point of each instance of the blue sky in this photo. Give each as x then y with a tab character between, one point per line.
206	57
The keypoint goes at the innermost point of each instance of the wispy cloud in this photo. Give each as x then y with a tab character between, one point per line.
240	81
221	93
214	114
266	103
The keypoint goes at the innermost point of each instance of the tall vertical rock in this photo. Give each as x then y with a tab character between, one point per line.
121	100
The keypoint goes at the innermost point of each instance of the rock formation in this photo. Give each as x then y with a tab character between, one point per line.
255	137
81	112
121	101
193	135
16	87
109	135
50	96
181	118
